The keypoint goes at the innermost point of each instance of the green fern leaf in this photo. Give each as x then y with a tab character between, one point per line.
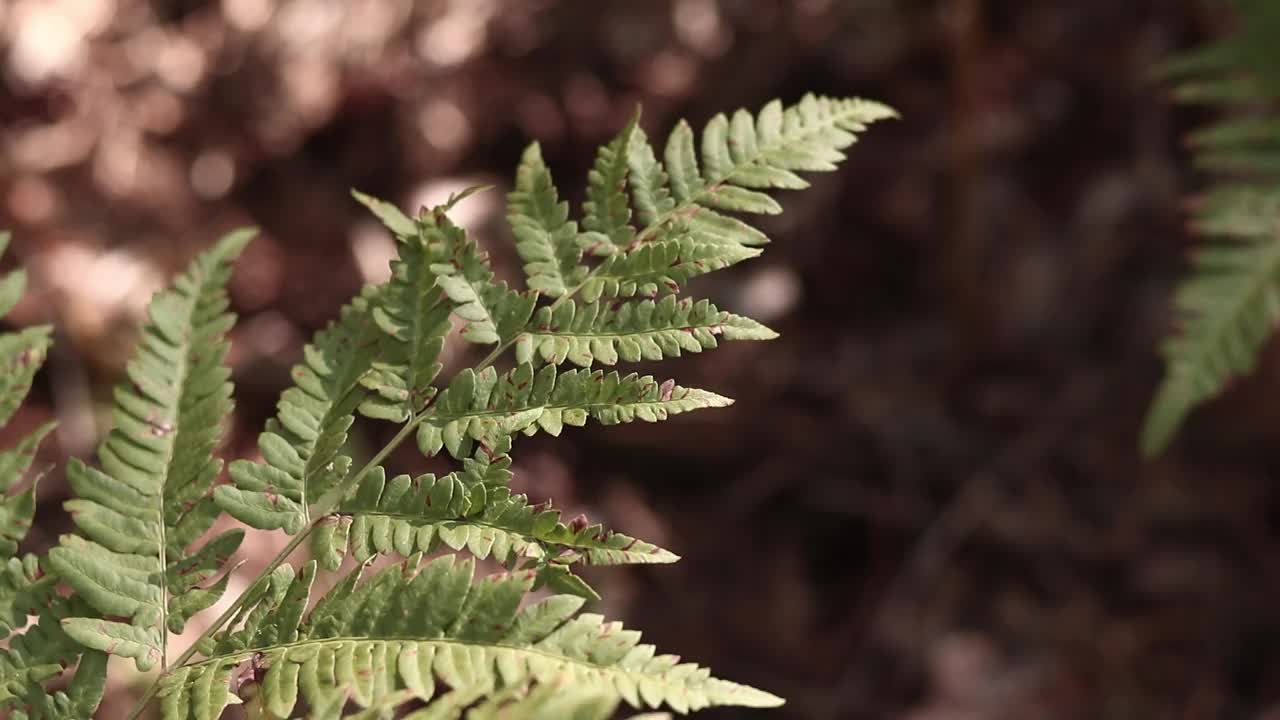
653	201
606	211
740	158
302	446
21	355
486	407
633	331
554	699
661	267
400	225
152	498
361	642
414	314
1230	301
387	644
17	510
546	239
493	313
40	653
1230	304
472	510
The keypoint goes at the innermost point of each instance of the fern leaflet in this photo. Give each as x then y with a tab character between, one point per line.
740	157
472	510
546	238
152	498
486	407
631	331
42	651
302	445
1231	300
361	643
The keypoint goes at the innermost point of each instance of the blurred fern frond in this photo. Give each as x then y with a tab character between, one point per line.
1229	303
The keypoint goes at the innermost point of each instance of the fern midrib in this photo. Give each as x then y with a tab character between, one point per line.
241	655
712	327
352	384
183	371
424	301
546	545
574	406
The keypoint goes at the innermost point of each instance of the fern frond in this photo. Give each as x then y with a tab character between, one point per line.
473	510
151	500
17	510
414	314
302	445
632	330
40	654
661	267
487	407
1230	301
411	629
386	643
21	355
606	211
401	226
493	313
380	358
740	157
42	651
546	239
556	700
1230	305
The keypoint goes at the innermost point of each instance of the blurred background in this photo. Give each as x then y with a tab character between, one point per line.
927	502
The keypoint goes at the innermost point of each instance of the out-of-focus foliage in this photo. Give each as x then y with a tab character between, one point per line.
40	652
1230	303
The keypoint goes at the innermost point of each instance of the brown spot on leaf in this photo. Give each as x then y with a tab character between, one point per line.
159	428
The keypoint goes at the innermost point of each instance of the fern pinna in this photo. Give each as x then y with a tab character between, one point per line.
39	653
1230	302
424	637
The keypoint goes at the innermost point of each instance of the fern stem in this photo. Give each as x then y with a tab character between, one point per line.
221	620
325	505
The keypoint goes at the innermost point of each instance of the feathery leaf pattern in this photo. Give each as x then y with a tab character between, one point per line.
420	637
41	651
151	500
1229	303
413	629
